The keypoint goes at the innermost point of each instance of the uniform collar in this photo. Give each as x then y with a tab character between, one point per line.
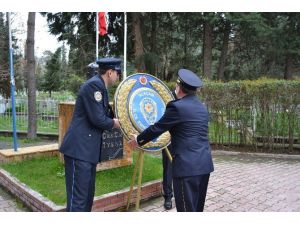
189	96
100	77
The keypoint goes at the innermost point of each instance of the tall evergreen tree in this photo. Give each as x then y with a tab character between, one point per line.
217	45
54	73
207	44
245	49
226	30
4	58
282	41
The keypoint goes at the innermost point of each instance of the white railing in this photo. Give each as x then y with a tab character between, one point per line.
46	111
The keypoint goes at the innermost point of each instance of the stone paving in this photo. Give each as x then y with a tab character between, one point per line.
9	204
240	183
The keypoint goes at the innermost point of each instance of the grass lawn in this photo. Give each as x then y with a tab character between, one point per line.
7	142
21	140
43	126
46	176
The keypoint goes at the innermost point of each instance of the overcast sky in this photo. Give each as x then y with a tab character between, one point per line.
43	39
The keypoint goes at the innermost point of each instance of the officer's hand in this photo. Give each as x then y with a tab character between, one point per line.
116	123
133	142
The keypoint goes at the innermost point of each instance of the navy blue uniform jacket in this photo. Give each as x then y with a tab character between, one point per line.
83	139
187	121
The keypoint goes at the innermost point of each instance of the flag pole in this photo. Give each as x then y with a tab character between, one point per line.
12	84
125	46
97	35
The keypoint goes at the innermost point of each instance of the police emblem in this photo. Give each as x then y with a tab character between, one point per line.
140	101
98	96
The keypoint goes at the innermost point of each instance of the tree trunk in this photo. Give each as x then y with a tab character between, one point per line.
288	67
138	42
186	34
165	59
221	67
153	66
4	60
30	74
207	50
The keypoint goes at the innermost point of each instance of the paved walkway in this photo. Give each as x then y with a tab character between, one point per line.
10	204
239	183
248	184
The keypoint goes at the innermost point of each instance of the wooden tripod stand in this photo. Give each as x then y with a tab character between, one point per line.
139	165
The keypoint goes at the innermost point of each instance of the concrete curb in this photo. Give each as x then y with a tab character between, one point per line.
32	199
266	155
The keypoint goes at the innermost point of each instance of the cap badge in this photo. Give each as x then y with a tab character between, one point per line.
98	96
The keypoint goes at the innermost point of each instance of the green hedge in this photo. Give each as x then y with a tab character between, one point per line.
263	112
243	93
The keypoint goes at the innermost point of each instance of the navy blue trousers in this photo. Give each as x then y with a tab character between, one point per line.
80	184
167	176
190	193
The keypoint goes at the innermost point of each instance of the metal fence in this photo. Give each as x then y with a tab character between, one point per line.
273	128
46	111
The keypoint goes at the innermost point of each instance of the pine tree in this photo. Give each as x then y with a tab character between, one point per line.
54	72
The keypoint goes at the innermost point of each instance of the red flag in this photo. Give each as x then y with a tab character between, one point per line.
102	23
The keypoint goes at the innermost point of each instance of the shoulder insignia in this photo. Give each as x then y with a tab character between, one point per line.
98	96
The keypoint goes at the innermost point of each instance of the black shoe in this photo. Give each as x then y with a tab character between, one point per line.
168	204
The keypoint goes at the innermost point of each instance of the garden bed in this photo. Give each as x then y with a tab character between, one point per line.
43	183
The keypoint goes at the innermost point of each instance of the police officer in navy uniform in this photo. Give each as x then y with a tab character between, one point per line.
167	176
187	121
91	70
82	142
167	180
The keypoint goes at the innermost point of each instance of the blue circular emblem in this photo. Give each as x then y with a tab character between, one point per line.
140	101
146	108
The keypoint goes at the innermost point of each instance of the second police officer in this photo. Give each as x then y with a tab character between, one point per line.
186	118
